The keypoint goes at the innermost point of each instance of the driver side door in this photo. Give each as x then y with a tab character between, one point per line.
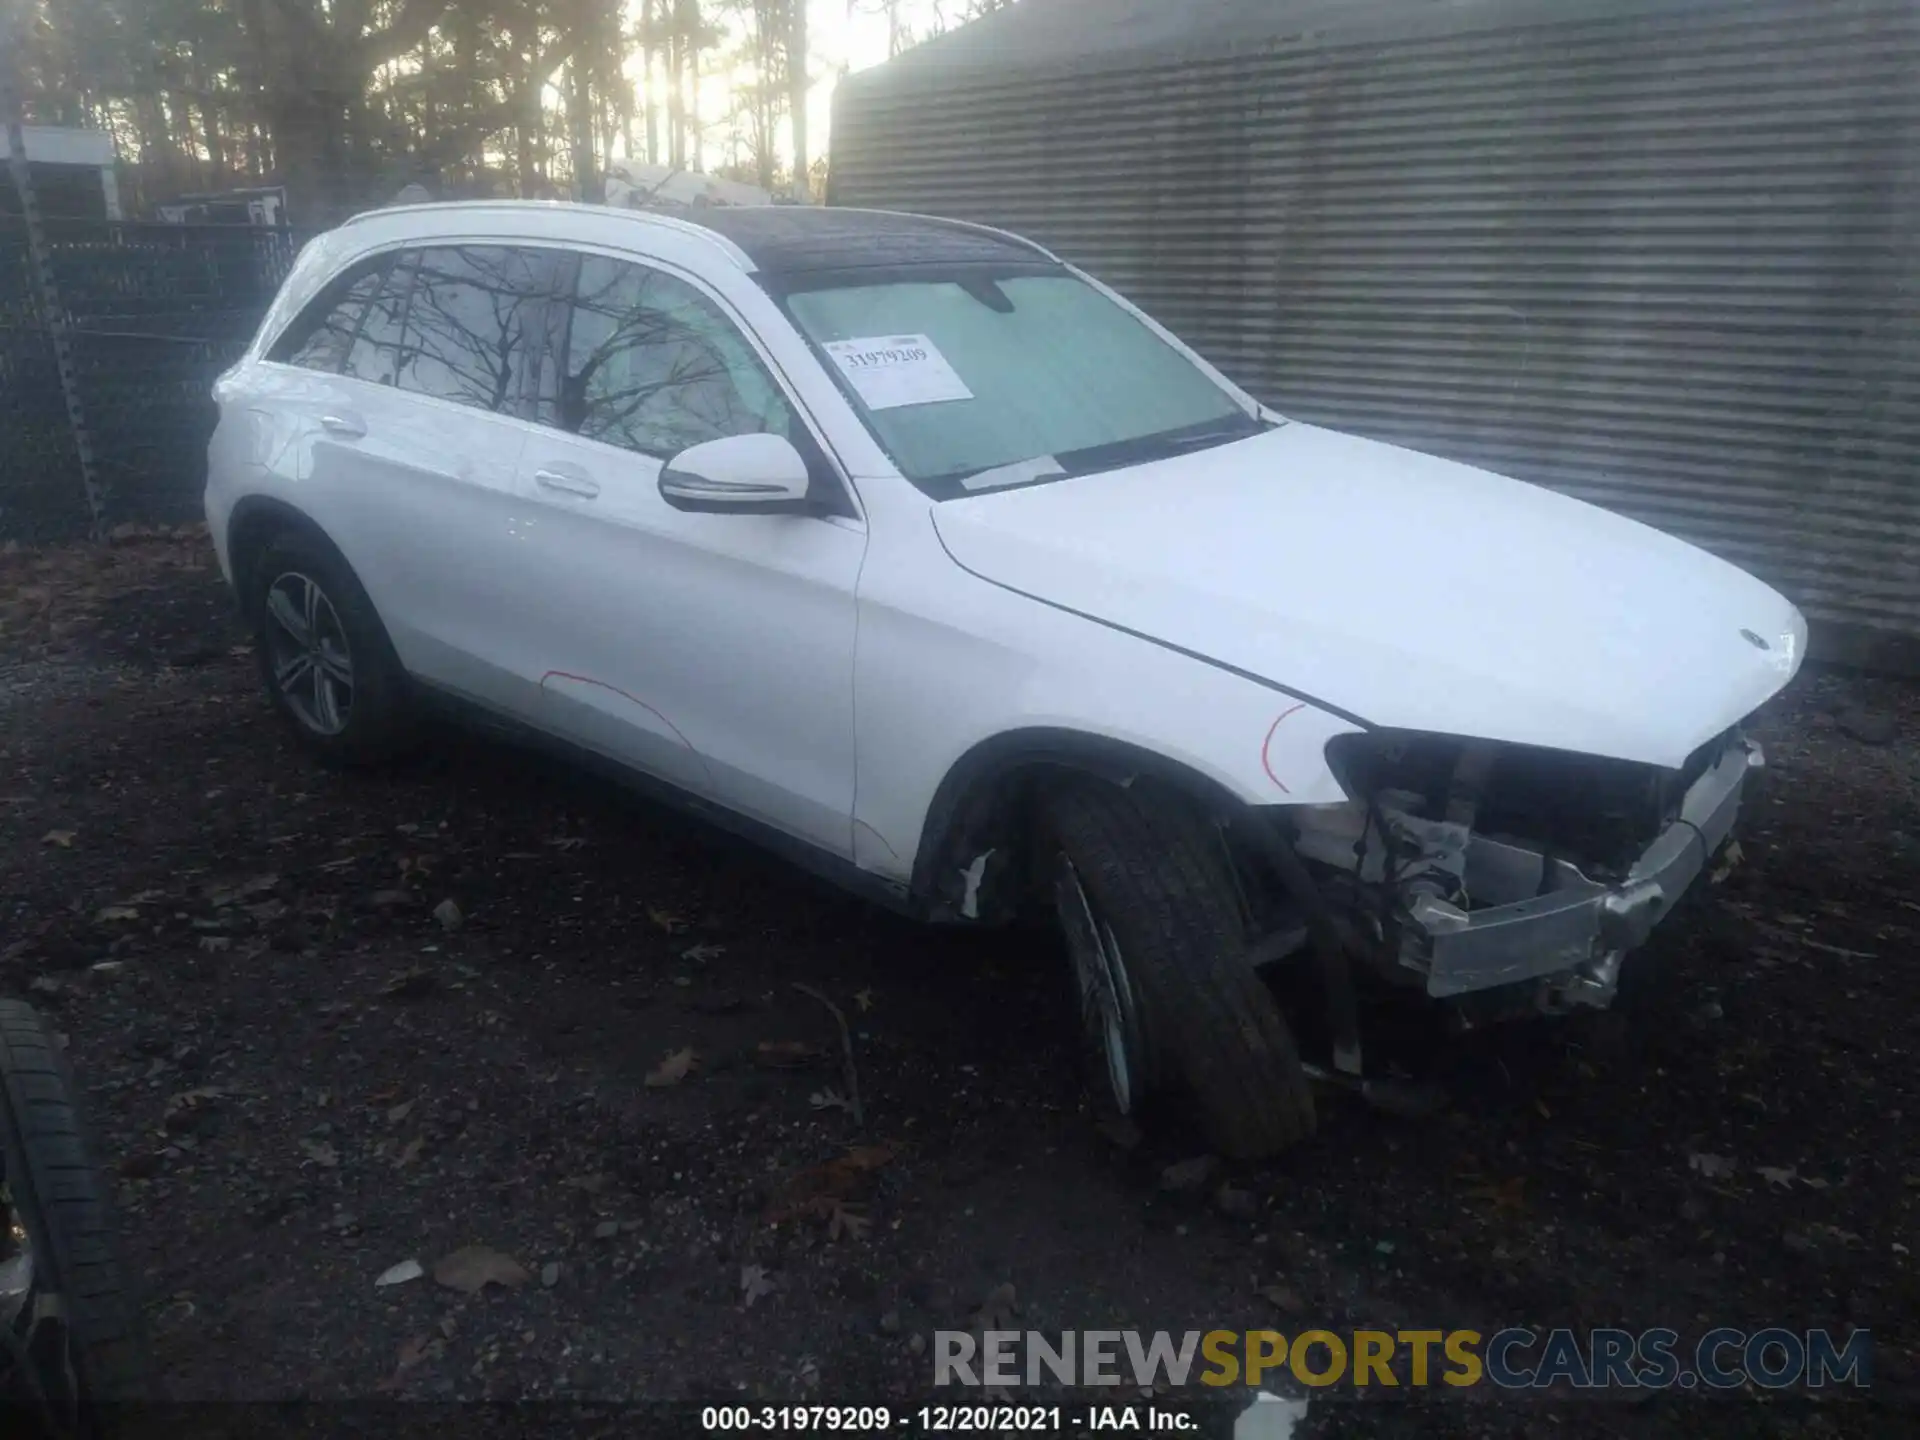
714	651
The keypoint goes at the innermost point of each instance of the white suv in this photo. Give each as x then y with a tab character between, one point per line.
914	551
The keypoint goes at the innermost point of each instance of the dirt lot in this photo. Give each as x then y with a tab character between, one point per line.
302	1077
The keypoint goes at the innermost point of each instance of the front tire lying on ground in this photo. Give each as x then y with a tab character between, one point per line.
324	656
76	1359
1153	926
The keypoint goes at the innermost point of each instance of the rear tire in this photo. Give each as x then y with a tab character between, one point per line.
1156	887
325	659
58	1197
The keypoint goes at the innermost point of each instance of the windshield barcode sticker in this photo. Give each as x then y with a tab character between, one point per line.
887	371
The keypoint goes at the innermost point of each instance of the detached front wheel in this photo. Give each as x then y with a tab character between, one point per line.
73	1354
1168	998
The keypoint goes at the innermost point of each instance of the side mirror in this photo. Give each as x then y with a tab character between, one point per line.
738	474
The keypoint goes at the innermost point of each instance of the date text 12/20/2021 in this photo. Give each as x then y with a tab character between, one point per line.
944	1419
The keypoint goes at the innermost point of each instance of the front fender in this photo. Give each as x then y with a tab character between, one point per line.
1022	682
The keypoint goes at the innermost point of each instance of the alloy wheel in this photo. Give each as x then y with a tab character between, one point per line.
1108	1010
37	1371
307	647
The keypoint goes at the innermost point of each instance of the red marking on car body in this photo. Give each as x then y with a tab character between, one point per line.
876	835
1266	761
631	699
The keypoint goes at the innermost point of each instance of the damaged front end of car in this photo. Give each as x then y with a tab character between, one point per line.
1506	878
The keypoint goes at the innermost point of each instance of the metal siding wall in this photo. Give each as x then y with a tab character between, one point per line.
1666	265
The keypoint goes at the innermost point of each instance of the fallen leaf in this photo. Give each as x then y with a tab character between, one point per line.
413	1351
567	842
181	1107
62	838
1782	1176
1505	1195
214	944
999	1309
665	920
409	1153
863	999
410	984
321	1152
1285	1300
1189	1174
219	896
700	954
448	914
399	1274
785	1054
474	1267
830	1099
844	1220
1236	1202
672	1070
754	1284
110	913
1714	1167
400	1112
868	1157
1730	859
814	1190
586	1184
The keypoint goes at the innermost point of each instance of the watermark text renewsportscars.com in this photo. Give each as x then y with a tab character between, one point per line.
1512	1359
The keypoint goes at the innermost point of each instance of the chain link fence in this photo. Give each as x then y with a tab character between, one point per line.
154	312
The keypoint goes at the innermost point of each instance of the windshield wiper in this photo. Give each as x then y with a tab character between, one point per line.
1162	444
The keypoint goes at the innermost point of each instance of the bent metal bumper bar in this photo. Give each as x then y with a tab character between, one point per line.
1571	928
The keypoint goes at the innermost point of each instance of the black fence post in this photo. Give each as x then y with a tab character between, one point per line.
53	316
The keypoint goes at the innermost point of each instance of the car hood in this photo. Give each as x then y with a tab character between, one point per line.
1411	592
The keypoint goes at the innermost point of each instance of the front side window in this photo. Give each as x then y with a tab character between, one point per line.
652	365
978	381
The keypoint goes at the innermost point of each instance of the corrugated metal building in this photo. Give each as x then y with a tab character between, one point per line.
1663	255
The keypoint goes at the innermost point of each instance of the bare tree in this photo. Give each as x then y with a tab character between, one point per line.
797	103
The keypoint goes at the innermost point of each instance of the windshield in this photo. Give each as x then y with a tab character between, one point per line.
980	382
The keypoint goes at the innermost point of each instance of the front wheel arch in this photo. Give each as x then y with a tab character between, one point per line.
985	807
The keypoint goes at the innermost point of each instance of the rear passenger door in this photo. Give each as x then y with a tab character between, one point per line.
714	651
417	442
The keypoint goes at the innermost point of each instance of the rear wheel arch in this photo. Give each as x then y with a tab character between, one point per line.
254	524
974	860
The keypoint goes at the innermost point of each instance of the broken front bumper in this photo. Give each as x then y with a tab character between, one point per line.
1571	931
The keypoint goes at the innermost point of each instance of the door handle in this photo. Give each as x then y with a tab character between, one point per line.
349	425
571	484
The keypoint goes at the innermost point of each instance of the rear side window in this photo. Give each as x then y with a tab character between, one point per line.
323	333
376	352
481	325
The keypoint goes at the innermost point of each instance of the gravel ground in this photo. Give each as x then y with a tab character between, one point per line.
329	1024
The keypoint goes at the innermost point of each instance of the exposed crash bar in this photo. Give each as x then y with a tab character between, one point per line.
1581	922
